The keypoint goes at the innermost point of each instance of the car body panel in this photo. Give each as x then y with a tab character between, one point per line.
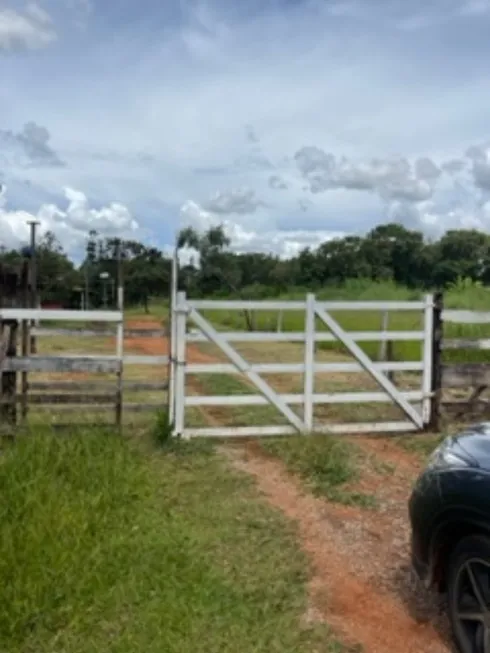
448	502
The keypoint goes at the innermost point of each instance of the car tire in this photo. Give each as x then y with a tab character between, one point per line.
468	582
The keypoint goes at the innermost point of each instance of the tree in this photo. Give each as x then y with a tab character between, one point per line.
462	253
393	252
343	258
218	267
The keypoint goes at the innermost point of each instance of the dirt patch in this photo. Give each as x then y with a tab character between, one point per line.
386	471
406	462
361	582
151	346
160	346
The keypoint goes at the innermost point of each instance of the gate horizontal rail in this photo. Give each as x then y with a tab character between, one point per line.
319	336
298	368
286	305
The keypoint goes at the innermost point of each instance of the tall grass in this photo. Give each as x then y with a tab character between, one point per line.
106	546
65	503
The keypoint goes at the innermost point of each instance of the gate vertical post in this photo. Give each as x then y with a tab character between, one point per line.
174	280
120	340
309	361
427	359
180	362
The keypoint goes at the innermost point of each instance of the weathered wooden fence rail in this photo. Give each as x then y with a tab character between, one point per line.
75	394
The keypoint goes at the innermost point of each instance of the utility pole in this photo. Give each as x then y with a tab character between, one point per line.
33	224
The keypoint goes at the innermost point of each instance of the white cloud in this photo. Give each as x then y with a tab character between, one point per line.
391	179
31	29
277	183
474	8
71	224
479	156
241	202
434	219
28	147
256	238
426	169
453	166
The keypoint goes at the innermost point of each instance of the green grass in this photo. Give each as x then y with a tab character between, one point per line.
349	321
422	445
326	464
227	385
106	546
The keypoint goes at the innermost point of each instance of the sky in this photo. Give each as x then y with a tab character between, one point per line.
289	121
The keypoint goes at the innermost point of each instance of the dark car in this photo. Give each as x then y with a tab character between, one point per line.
450	518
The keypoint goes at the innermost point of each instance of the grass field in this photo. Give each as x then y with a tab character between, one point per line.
108	545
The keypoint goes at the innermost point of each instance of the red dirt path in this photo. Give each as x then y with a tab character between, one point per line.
354	586
159	346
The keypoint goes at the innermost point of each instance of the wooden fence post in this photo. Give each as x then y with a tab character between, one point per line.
8	380
436	389
9	331
25	338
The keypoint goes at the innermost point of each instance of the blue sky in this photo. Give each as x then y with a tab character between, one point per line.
291	121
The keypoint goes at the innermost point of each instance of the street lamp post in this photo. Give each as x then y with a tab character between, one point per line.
81	298
104	276
33	224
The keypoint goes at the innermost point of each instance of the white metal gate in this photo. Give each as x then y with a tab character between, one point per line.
186	312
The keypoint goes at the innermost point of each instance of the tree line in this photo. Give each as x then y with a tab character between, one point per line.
389	252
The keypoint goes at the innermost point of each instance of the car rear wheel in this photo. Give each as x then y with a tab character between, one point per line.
469	594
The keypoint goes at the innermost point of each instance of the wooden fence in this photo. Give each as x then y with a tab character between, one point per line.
459	387
23	325
70	394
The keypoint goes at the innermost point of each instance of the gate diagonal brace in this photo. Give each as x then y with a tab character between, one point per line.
242	366
367	364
